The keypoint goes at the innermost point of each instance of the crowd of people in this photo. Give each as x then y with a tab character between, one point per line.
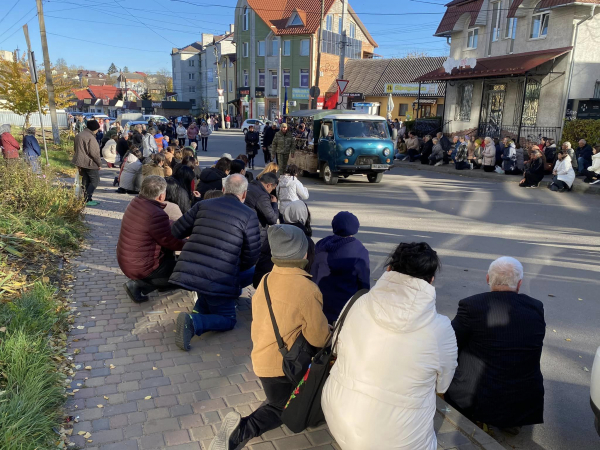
216	231
31	150
505	156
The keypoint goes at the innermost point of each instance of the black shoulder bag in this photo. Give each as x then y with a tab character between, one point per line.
297	359
303	409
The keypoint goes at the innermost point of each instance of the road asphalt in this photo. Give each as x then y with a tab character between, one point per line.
470	222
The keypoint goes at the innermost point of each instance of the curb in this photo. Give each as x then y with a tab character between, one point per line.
464	425
578	186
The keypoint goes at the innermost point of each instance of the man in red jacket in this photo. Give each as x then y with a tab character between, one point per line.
146	245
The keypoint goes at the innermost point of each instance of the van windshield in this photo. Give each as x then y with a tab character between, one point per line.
362	129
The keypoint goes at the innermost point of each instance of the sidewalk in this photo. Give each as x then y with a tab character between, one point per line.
578	185
134	390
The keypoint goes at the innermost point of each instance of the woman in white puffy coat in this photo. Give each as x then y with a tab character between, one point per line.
290	188
394	353
109	152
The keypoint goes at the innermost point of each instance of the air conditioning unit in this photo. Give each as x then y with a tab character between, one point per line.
292	103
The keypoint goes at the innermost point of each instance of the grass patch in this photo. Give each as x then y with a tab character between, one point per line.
59	155
39	207
31	389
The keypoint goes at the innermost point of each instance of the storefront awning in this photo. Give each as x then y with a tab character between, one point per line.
518	64
425	101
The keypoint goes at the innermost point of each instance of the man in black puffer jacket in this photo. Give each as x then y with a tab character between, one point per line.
263	202
218	259
212	177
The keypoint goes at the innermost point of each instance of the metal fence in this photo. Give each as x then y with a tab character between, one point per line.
34	120
423	127
529	134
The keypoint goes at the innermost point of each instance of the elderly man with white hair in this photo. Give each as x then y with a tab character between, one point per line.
217	260
500	335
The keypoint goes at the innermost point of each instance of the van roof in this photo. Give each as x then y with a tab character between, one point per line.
370	117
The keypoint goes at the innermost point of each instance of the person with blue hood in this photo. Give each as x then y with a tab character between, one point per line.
341	265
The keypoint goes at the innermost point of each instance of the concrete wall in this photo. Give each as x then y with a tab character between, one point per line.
586	70
181	70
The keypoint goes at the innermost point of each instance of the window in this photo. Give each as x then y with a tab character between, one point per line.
261	77
191	62
531	103
230	85
230	63
274	81
340	25
495	21
296	21
472	38
217	104
274	47
352	30
286	77
287	48
193	101
192	88
304	78
261	48
539	23
329	22
190	76
304	47
245	49
224	64
403	109
209	75
245	78
597	90
245	19
463	106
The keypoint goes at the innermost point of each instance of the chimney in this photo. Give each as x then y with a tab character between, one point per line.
231	27
207	38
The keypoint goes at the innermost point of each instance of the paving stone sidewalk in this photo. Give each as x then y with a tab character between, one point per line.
135	390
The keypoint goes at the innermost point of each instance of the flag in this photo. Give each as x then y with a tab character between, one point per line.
285	105
331	102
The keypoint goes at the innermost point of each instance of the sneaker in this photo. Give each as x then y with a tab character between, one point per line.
185	332
471	165
405	158
439	163
134	291
595	182
92	203
223	441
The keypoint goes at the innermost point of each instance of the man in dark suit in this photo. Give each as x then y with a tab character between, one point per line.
500	335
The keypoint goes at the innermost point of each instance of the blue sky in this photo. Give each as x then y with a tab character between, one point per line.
139	34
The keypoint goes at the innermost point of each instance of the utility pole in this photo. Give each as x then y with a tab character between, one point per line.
48	70
219	84
318	75
343	43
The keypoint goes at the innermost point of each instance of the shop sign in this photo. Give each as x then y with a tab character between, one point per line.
300	93
259	92
354	96
411	88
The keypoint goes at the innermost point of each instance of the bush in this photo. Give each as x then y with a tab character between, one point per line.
575	130
31	394
39	206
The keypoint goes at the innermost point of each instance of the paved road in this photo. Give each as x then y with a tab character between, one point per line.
470	222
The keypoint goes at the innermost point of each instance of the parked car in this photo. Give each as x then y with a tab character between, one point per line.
258	125
156	118
185	120
595	390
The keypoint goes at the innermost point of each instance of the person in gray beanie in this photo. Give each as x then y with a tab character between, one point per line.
298	308
298	215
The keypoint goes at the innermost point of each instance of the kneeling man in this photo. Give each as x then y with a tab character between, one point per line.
500	335
146	244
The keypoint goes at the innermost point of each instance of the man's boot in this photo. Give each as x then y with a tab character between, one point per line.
134	291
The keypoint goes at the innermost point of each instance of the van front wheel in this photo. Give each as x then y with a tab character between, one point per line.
328	176
375	177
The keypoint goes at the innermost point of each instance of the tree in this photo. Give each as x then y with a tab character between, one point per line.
18	90
112	69
61	65
126	69
146	96
162	81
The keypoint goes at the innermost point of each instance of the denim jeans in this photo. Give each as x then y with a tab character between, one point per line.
90	178
218	313
582	165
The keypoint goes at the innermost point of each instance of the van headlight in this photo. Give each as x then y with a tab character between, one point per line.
386	152
349	151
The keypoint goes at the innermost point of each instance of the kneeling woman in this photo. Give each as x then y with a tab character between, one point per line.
394	353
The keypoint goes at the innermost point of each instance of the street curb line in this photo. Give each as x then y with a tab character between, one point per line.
472	431
578	186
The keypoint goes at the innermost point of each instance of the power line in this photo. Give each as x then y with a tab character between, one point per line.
17	21
107	45
6	15
17	30
151	29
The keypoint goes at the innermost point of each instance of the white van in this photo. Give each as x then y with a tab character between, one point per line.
155	118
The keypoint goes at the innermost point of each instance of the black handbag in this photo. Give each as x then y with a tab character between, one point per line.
297	359
303	409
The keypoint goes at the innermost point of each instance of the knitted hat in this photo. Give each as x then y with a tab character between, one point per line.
287	242
296	212
228	156
345	224
92	125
